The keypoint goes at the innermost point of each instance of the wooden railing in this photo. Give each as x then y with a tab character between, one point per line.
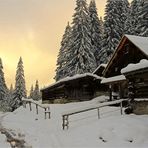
65	115
37	104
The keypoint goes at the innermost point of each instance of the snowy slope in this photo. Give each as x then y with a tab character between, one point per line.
86	130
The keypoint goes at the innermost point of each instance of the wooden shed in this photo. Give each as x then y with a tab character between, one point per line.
131	49
79	88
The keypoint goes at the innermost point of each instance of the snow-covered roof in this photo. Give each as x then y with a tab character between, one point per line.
77	76
140	42
113	79
133	67
101	65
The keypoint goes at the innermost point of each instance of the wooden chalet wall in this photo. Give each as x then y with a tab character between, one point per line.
139	81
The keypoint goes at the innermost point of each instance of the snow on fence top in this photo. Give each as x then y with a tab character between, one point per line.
133	67
77	76
140	42
113	79
101	65
91	107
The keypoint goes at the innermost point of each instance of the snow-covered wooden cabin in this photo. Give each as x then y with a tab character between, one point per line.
131	49
80	87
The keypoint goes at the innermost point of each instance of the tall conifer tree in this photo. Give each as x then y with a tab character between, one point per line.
81	51
36	92
3	87
96	30
20	87
142	24
61	70
116	13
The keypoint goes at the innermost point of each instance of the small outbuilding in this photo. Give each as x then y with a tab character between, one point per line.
80	87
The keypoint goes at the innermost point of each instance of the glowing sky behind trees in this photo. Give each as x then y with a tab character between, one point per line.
33	29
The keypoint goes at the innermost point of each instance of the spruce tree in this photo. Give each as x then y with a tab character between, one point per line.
36	92
116	13
96	29
20	88
132	20
81	52
3	87
61	70
142	24
31	92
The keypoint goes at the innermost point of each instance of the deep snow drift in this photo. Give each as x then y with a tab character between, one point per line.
86	130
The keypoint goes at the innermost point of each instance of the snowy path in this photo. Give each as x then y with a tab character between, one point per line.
10	137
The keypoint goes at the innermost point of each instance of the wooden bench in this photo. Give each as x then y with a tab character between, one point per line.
43	106
65	115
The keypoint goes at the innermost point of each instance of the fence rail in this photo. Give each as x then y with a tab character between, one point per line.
65	115
37	104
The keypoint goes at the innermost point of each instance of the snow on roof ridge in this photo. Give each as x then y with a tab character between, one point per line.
133	67
103	65
140	41
74	77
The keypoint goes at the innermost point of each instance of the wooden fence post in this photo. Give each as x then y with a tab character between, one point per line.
65	122
30	106
121	107
37	109
98	114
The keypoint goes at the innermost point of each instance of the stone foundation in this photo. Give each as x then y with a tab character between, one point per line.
140	107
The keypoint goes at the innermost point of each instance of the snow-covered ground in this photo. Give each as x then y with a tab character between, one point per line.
85	131
3	140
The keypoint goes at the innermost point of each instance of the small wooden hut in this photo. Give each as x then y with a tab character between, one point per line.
131	49
80	87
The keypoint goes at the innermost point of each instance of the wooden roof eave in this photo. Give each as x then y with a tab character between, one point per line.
135	72
123	40
119	47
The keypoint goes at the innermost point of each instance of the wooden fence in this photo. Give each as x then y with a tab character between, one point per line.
65	115
37	104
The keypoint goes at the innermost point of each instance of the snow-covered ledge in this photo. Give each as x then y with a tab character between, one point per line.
133	67
113	79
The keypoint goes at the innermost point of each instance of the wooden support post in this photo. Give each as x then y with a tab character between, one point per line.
98	114
37	109
110	92
30	106
121	108
65	122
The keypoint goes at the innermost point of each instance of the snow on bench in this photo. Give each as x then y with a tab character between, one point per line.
37	103
66	114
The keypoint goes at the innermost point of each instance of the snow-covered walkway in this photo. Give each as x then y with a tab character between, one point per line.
112	130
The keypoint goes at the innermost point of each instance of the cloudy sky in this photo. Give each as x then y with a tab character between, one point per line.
33	29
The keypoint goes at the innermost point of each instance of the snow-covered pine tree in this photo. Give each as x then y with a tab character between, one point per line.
61	70
96	29
132	20
31	93
20	88
3	87
142	25
36	92
116	13
11	91
81	52
102	26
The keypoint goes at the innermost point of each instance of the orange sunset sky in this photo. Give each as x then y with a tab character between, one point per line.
33	29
